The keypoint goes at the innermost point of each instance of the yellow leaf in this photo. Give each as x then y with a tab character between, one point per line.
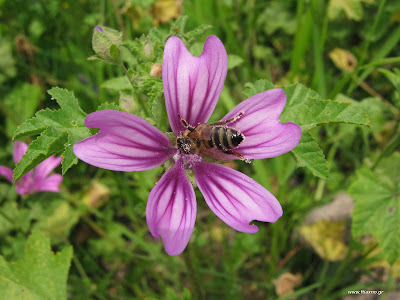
326	238
98	194
165	10
352	9
343	59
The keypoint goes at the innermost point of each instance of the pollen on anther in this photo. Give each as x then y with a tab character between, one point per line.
309	128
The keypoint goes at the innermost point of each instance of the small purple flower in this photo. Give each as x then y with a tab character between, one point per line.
38	179
192	86
98	28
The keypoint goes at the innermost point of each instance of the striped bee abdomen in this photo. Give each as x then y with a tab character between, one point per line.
225	138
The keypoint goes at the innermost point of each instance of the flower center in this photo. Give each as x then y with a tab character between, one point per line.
189	160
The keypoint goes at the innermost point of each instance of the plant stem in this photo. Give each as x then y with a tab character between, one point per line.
193	276
141	103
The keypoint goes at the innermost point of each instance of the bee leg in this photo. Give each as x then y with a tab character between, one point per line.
240	156
230	120
186	124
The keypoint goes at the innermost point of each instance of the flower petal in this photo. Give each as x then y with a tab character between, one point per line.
7	173
192	85
124	143
45	167
234	197
265	136
49	184
19	150
26	184
171	209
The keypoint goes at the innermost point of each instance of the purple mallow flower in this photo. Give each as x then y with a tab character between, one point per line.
192	86
38	179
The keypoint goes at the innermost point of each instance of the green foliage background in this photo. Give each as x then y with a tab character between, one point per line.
348	112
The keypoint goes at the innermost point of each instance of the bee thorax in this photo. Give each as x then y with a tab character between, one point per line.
203	137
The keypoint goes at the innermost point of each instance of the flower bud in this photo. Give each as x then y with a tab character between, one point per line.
105	43
156	70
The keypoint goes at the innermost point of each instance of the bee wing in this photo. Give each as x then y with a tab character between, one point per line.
201	132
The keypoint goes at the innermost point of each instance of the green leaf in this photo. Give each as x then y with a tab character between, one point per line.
179	25
259	86
10	213
307	109
56	220
189	38
394	78
234	61
377	205
39	275
109	106
21	104
156	100
277	16
7	62
115	53
195	34
378	113
117	84
59	130
310	155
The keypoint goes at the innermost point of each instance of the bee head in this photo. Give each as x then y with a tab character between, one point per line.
184	144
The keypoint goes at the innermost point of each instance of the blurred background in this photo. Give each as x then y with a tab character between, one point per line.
344	50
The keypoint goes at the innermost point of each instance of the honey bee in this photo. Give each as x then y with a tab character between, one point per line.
195	140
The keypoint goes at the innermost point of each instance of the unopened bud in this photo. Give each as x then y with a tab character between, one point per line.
105	42
156	70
